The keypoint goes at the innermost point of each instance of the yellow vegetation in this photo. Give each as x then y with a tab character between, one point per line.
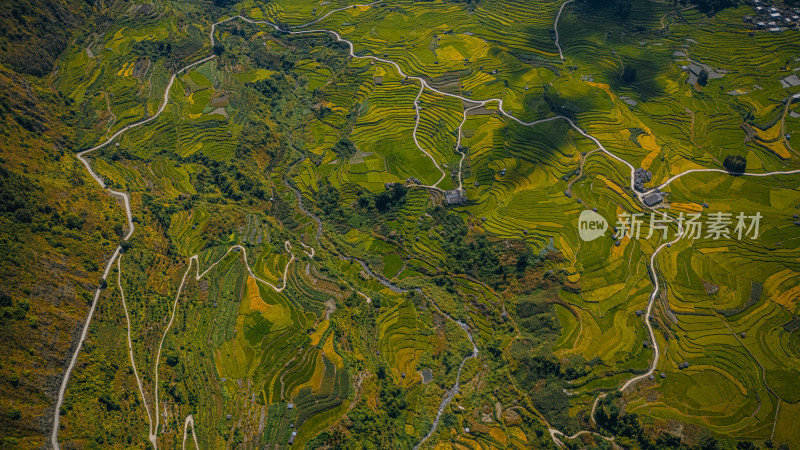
126	70
317	335
330	352
687	207
771	139
255	303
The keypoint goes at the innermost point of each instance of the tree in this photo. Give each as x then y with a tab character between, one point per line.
702	79
5	299
345	148
623	9
628	74
735	164
713	6
219	49
709	443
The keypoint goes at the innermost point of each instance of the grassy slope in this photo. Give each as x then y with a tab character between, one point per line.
50	269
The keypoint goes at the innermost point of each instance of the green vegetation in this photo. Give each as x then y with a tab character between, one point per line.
346	330
735	163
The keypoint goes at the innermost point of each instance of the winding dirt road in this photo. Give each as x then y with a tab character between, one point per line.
555	28
195	260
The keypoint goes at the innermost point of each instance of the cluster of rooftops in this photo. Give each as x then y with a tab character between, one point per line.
652	197
772	18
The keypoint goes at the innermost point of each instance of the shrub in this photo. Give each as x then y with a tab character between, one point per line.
702	79
735	164
628	74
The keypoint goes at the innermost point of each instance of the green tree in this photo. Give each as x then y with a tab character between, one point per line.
735	164
702	79
628	74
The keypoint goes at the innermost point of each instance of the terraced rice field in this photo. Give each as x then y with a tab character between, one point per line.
285	145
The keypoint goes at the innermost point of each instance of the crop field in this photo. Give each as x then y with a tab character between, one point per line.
297	272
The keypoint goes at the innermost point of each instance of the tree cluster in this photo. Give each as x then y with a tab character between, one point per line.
735	164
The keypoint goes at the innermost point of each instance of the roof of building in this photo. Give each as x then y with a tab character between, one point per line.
653	198
455	196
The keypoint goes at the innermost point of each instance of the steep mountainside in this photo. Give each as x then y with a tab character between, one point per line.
56	224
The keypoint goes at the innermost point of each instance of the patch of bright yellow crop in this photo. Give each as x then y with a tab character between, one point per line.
517	433
773	134
478	48
687	207
319	373
773	282
256	14
126	70
449	53
568	251
778	148
707	251
618	251
648	142
278	315
477	79
602	86
330	352
605	292
317	335
788	298
315	382
610	184
262	74
574	278
406	362
254	301
498	434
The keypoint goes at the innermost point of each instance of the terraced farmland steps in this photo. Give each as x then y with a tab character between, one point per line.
652	268
299	196
195	259
479	103
117	252
423	85
394	288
